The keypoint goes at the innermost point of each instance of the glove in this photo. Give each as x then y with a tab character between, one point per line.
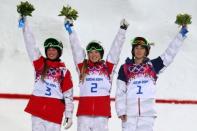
124	24
67	123
68	20
68	24
21	22
123	118
184	31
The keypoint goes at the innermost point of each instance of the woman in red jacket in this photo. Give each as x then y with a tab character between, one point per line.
53	93
95	78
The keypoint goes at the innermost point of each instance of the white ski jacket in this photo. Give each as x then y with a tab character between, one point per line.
136	84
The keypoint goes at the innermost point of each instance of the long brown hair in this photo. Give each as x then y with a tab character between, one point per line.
83	70
44	70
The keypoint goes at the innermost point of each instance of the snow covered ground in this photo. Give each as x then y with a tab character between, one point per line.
170	117
99	19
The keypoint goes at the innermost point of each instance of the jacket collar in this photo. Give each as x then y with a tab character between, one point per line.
54	64
131	61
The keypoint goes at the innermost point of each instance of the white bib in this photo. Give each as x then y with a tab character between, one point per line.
141	87
95	85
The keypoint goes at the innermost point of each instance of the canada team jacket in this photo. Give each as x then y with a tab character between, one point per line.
53	94
95	88
135	94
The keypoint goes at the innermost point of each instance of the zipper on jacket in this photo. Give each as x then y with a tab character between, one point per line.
93	107
139	109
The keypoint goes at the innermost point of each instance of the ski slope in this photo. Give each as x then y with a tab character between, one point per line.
99	19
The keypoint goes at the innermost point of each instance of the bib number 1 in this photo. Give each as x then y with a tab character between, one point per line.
139	90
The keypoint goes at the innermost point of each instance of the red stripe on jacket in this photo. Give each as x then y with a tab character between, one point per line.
50	109
95	105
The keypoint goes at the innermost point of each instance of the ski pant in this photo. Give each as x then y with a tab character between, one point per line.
89	123
138	124
38	124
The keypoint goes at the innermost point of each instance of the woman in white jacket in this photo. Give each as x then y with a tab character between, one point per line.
135	94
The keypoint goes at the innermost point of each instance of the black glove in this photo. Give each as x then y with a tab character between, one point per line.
124	24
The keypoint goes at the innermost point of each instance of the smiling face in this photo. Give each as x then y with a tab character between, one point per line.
94	56
52	53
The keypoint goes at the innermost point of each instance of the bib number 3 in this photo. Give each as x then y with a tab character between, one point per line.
48	91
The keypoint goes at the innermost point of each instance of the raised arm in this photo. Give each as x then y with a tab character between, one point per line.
30	43
116	47
77	51
174	46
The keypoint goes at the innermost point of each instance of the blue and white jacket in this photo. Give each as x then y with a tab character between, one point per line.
136	83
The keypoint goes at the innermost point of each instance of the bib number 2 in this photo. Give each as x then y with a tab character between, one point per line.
93	87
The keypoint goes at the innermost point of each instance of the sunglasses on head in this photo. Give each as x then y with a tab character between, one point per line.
95	48
47	45
140	42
